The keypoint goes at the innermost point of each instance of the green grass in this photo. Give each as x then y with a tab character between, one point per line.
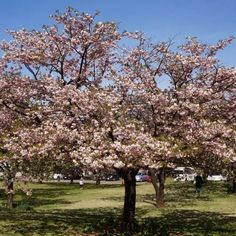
65	209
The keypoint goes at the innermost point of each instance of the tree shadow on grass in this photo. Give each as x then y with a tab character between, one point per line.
43	197
189	222
33	202
175	197
60	222
106	221
62	185
181	194
38	198
176	201
211	188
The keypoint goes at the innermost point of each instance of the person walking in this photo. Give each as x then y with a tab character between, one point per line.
198	184
81	182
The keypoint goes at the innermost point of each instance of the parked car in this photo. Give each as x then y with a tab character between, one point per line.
183	177
216	178
149	178
112	177
184	174
58	177
141	177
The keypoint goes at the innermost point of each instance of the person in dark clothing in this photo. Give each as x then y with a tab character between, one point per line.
198	184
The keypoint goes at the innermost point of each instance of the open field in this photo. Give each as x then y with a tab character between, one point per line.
65	209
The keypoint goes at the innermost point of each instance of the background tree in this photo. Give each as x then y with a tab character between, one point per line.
41	72
191	113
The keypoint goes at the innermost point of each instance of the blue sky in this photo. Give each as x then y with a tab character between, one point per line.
209	20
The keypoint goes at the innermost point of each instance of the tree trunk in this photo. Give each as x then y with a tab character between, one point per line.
204	176
98	176
234	187
71	180
234	177
128	175
10	193
234	184
152	172
161	192
98	180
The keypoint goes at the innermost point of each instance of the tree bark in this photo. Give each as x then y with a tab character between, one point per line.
71	180
128	174
152	172
10	193
98	180
98	177
204	176
234	187
234	177
233	183
161	191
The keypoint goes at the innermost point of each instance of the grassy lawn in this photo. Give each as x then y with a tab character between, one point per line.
65	209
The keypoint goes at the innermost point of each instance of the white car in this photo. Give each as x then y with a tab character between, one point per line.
216	178
184	174
185	177
58	177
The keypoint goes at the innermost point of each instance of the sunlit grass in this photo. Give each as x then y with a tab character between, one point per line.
65	209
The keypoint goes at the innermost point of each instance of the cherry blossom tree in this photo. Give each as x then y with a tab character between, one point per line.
43	73
74	92
196	114
16	92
